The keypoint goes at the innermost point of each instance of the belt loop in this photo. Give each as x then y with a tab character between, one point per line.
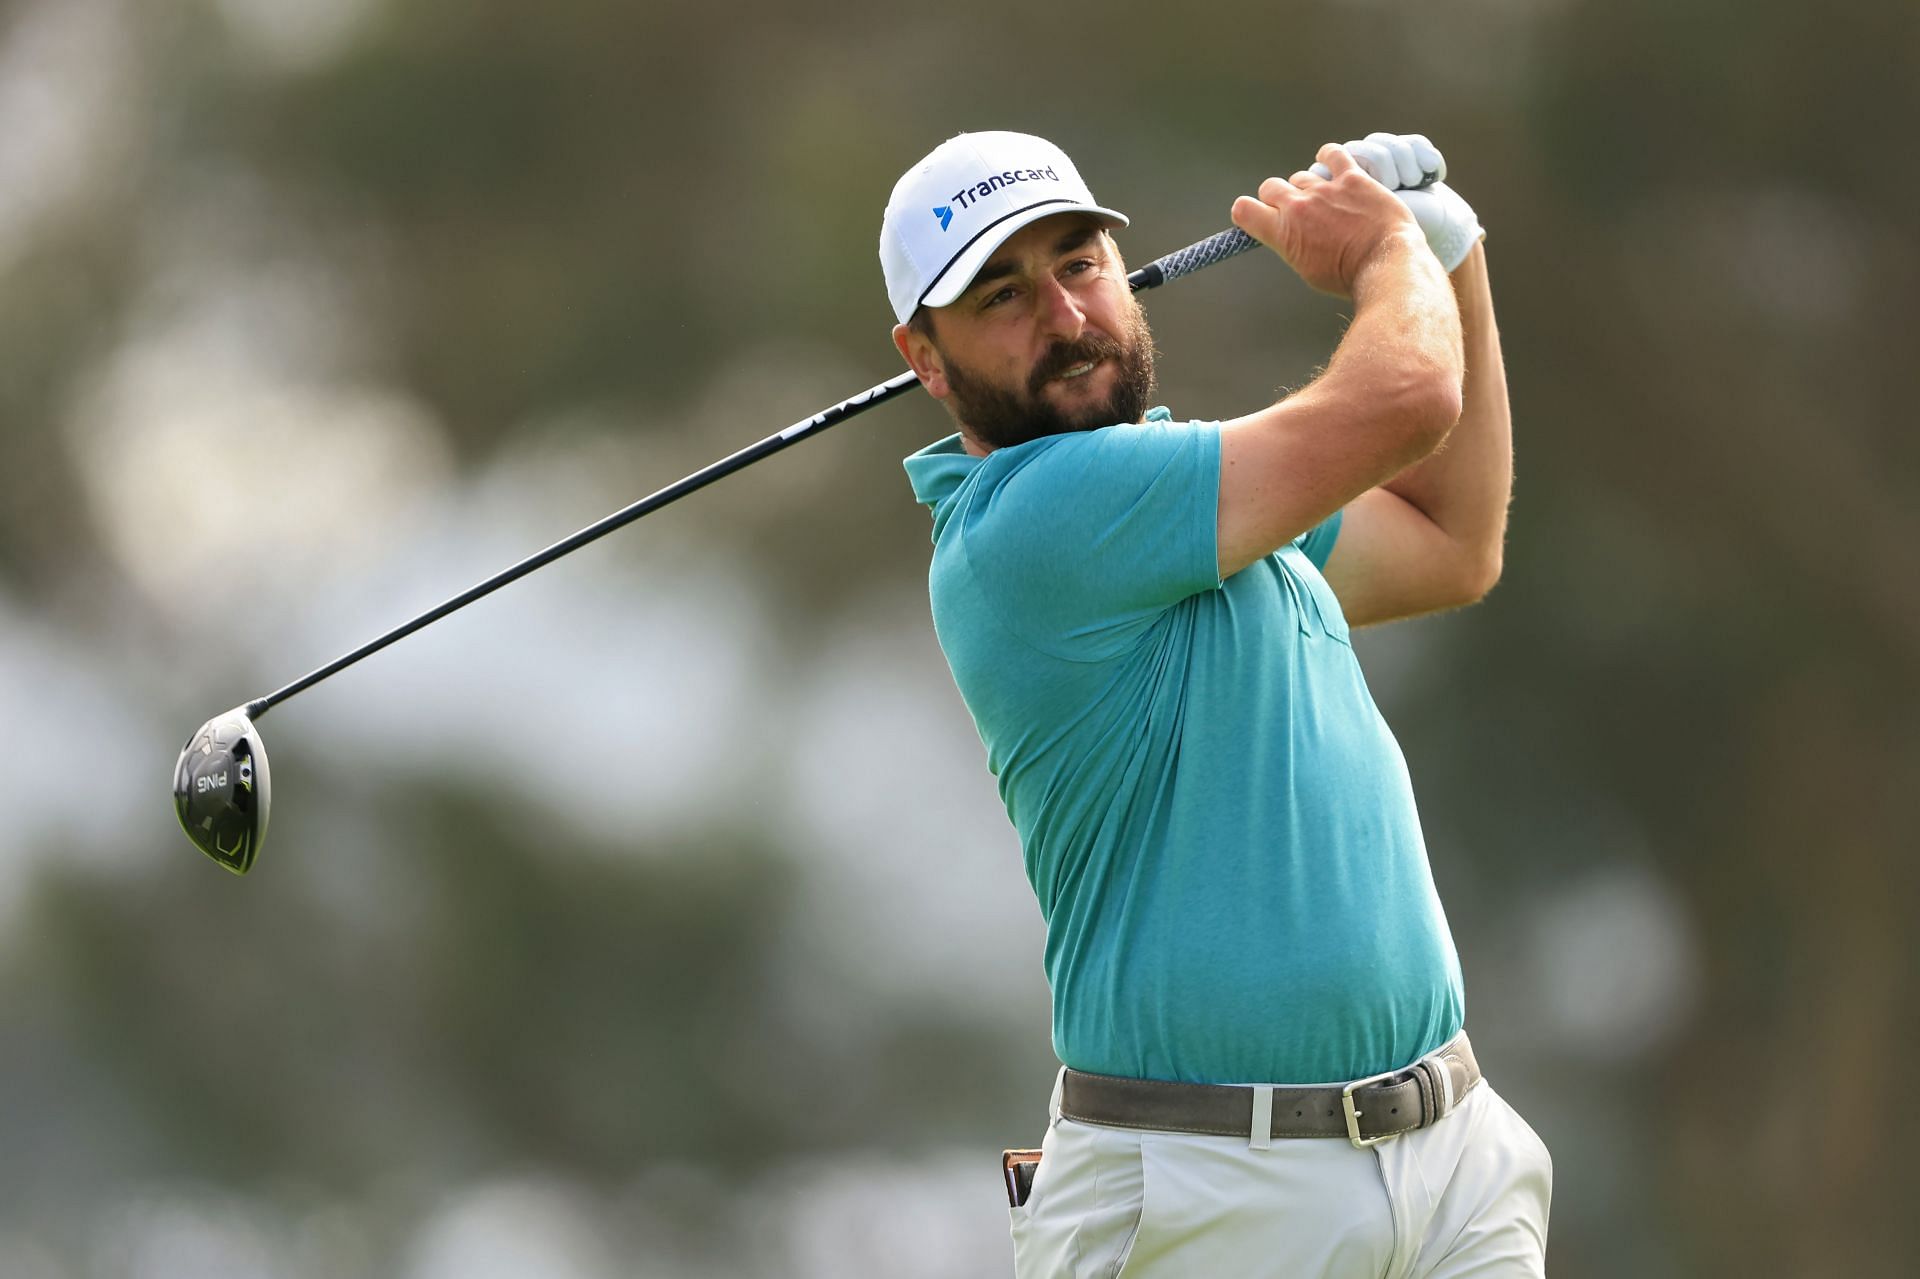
1428	1085
1261	1135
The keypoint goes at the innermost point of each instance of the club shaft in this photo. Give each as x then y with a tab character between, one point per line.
1204	253
706	475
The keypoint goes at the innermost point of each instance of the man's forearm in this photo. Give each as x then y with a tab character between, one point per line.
1388	397
1465	485
1405	328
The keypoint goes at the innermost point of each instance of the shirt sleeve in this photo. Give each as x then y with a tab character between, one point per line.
1317	542
1085	539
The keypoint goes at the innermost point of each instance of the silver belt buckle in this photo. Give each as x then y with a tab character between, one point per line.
1354	1112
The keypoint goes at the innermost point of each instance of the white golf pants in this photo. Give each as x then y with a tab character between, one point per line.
1467	1196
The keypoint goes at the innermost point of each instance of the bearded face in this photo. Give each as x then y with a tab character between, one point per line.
1002	415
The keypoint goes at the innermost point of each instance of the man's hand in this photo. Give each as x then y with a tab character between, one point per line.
1397	161
1413	168
1326	228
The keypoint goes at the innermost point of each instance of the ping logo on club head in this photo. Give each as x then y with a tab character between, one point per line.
945	214
209	782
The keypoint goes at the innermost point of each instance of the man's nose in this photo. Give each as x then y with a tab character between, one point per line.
1060	313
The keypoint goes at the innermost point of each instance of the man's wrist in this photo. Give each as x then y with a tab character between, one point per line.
1474	262
1397	250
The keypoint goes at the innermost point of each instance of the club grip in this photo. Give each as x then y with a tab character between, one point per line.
1215	248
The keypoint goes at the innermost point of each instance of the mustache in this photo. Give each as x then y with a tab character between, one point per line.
1088	348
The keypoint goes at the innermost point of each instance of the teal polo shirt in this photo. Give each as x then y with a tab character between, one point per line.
1216	820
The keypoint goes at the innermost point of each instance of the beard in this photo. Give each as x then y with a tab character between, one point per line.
1002	416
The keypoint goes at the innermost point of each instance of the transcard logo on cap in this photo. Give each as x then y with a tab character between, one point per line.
980	188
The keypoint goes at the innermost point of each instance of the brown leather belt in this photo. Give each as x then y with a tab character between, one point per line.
1365	1111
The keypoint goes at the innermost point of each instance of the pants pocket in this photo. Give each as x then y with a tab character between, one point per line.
1085	1207
1540	1161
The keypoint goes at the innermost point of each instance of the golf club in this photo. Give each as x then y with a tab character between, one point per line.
220	782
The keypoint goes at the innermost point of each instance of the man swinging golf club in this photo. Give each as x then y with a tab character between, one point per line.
1255	993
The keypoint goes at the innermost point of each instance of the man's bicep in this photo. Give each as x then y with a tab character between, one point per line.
1283	471
1391	561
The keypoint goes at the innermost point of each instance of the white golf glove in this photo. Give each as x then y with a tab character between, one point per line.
1402	163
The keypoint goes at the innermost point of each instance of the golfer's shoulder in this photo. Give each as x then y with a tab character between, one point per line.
1120	451
1082	486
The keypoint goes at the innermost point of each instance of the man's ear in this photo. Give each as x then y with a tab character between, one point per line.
918	350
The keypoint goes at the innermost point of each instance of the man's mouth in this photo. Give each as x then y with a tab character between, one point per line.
1079	370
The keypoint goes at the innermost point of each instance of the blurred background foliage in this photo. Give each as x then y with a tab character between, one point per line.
658	917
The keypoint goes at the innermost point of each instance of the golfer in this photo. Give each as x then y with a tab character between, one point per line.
1255	993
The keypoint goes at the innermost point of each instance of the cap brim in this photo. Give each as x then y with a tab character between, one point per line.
958	274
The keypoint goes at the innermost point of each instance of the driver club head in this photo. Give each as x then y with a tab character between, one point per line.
220	790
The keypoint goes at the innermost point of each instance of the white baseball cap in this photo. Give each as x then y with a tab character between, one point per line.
949	212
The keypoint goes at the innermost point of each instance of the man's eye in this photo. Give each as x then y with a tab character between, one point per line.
996	298
1081	265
